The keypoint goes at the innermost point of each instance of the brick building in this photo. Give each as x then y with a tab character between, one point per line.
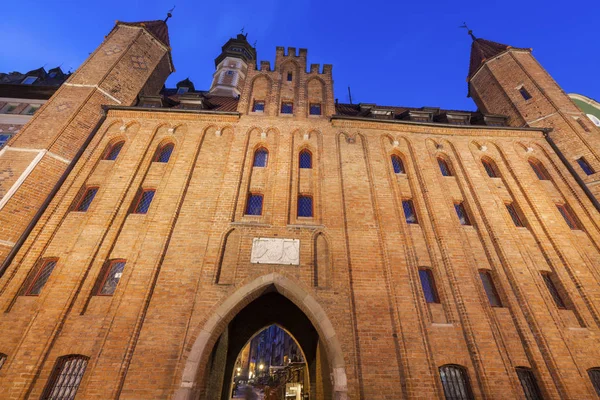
147	234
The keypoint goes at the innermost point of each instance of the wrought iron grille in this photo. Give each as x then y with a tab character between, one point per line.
113	151
315	109
490	288
144	202
305	206
539	170
514	215
529	384
305	159
111	278
65	378
462	214
428	285
164	153
444	168
254	205
397	164
594	374
261	156
455	382
553	291
40	278
409	212
86	199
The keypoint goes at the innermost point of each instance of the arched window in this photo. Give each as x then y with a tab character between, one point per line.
65	378
260	157
113	150
109	278
539	170
38	277
455	381
490	168
143	200
529	383
163	153
305	159
594	374
398	165
3	358
444	168
254	204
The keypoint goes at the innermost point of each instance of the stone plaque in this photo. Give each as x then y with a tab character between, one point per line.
275	251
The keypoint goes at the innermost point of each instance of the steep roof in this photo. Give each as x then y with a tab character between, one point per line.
157	28
481	50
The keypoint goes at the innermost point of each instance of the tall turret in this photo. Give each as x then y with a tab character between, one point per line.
232	66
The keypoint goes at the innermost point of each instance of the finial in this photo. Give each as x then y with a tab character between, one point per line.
242	30
469	31
254	45
170	13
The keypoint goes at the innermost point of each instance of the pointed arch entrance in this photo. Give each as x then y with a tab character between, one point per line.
269	299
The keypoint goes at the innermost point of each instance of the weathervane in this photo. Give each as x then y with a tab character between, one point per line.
469	31
170	13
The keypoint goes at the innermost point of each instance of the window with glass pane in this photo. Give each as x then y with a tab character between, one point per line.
164	153
567	214
428	285
254	204
144	201
397	164
490	168
585	166
444	168
110	277
86	199
38	277
289	76
260	158
258	106
305	206
463	217
455	382
582	124
514	214
529	383
112	152
553	291
305	159
409	212
490	289
3	139
594	374
539	170
287	107
315	109
65	378
524	93
3	358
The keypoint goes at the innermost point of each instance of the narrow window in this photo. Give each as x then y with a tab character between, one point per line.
3	358
490	288
524	93
258	106
305	206
585	166
428	285
260	157
397	164
455	382
514	214
109	278
490	168
65	378
289	76
553	291
567	214
529	383
315	109
3	139
86	199
38	277
143	202
409	212
287	107
254	204
230	72
29	80
163	154
444	168
305	159
539	170
582	124
112	151
463	217
594	374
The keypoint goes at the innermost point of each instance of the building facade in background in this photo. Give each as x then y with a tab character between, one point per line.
147	234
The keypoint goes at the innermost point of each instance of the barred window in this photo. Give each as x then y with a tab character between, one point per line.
261	157
109	278
305	159
490	168
258	106
444	168
254	204
585	166
514	214
38	277
287	107
86	199
409	212
567	214
549	281
490	288
524	93
315	109
112	151
455	382
163	153
539	170
3	358
65	378
428	285
594	374
305	206
529	383
461	212
143	201
398	165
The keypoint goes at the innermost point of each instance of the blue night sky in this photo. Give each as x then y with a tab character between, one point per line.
390	53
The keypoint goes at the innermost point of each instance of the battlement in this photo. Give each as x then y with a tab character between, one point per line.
298	56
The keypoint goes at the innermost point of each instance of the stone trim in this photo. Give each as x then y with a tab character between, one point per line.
22	178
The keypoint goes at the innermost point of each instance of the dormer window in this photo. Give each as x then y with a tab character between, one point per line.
29	80
380	113
182	90
494	120
459	119
420	116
